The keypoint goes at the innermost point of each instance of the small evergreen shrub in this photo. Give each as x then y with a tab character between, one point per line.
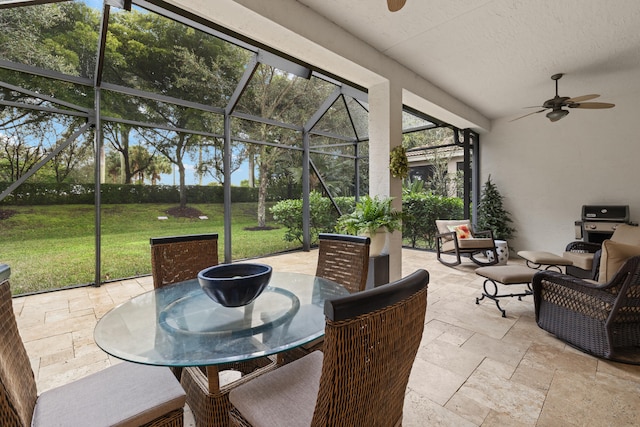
492	215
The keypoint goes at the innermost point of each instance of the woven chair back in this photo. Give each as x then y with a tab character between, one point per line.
180	258
18	391
344	259
624	322
371	341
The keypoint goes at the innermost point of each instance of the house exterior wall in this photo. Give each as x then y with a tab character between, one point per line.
546	171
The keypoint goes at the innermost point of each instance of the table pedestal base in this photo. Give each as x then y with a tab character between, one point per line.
209	402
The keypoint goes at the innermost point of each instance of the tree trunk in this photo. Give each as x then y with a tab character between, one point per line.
252	168
183	187
262	196
125	165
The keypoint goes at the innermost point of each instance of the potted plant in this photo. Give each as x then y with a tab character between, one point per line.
493	216
373	217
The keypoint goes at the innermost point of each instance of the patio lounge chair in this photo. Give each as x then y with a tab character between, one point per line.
126	394
586	255
457	238
599	319
360	379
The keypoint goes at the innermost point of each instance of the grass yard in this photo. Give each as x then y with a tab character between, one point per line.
50	247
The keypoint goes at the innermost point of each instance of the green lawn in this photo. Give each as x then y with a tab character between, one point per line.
49	247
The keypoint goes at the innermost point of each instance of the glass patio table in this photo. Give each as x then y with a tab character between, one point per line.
179	325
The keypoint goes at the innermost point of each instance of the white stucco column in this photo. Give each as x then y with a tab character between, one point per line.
385	132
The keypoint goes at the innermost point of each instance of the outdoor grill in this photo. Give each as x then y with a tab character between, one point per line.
599	222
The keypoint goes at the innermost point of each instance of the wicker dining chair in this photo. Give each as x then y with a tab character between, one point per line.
126	394
371	341
176	259
179	258
344	259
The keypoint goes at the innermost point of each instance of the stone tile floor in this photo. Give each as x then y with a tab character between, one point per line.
474	367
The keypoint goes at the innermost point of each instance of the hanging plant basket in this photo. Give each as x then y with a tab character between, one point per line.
398	163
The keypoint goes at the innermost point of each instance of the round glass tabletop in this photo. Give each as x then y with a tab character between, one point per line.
178	325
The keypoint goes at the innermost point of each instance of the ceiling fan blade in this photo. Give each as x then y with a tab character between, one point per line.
526	115
395	5
592	105
582	98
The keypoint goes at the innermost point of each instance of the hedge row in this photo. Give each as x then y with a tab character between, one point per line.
419	212
323	215
57	194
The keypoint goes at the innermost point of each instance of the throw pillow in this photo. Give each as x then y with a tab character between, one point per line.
462	231
614	254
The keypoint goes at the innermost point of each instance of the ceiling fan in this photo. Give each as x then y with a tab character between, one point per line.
556	103
395	5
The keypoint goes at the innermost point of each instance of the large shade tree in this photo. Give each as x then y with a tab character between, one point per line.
167	58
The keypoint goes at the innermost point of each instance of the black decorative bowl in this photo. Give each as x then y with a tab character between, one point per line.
234	285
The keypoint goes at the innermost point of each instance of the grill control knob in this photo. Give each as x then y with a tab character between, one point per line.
592	226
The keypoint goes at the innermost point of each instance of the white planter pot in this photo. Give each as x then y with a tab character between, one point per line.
503	252
378	243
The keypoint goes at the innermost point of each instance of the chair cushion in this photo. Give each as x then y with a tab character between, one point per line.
507	274
627	234
583	260
284	397
473	243
126	394
614	254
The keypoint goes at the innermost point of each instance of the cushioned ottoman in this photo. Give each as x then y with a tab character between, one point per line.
536	259
505	275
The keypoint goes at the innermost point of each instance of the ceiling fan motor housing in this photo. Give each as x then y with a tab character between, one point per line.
556	102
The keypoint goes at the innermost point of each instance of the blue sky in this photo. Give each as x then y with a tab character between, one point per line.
191	178
97	4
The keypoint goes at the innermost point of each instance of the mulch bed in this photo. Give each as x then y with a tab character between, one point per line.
187	212
6	213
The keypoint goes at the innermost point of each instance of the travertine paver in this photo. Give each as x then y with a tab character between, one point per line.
473	367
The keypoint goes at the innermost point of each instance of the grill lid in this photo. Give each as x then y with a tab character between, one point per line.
605	213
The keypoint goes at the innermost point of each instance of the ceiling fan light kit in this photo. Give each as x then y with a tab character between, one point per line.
556	103
556	115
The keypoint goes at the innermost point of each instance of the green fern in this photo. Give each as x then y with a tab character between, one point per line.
370	214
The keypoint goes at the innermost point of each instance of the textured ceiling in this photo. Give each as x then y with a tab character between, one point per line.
498	56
